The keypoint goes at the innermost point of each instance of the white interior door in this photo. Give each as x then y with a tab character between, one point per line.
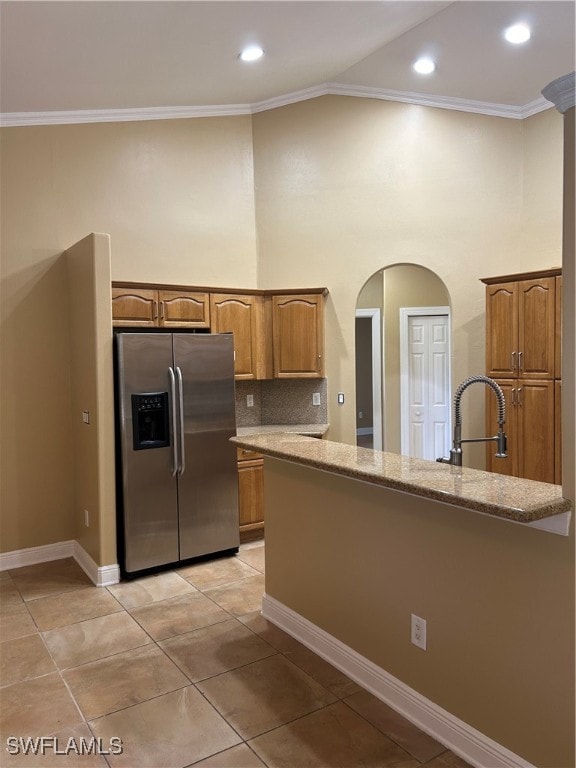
426	386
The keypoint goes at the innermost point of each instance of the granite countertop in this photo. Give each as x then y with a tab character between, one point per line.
312	430
511	498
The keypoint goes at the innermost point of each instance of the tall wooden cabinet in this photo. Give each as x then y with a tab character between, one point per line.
523	328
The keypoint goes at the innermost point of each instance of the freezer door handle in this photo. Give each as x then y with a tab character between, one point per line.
182	467
174	422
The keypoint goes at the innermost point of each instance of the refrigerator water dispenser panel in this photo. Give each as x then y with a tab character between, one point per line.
150	426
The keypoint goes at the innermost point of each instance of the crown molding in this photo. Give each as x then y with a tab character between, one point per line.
13	119
292	98
562	92
442	102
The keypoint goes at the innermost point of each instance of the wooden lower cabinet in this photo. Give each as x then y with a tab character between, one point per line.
250	494
558	432
530	427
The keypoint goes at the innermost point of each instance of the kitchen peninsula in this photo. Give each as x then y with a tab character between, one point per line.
521	501
357	541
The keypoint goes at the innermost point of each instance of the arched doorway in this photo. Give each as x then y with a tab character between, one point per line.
406	287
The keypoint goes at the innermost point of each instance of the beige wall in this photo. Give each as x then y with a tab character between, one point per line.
541	223
341	186
347	186
498	600
92	390
176	198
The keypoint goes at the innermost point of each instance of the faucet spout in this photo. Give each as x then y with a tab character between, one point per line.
500	439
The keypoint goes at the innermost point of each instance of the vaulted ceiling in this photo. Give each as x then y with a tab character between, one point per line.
161	57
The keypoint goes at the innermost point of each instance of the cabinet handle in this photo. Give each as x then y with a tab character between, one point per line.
161	310
520	361
513	361
154	309
514	399
520	395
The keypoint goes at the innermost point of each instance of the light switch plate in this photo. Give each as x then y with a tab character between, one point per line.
316	398
86	417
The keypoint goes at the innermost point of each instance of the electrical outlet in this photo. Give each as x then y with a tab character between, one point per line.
316	398
250	401
86	518
340	398
86	417
418	632
360	414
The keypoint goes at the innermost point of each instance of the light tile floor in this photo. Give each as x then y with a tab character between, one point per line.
184	670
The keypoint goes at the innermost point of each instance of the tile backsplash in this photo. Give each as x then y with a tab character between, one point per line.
281	401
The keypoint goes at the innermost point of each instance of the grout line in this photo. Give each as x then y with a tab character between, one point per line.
155	643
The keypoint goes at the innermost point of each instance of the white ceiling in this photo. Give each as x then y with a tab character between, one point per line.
159	55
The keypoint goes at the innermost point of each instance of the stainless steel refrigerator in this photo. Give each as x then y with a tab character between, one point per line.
177	472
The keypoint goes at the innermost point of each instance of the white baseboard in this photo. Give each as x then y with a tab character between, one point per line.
471	745
34	555
101	576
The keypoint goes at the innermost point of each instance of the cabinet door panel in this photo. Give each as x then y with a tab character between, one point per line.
134	307
508	466
245	316
558	432
536	429
558	329
502	330
298	328
536	328
251	492
184	309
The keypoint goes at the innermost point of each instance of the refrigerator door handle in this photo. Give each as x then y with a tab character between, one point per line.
174	422
182	467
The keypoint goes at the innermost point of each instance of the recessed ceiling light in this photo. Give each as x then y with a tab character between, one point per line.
424	66
517	33
252	53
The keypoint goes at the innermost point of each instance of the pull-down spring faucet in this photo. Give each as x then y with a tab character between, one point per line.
455	457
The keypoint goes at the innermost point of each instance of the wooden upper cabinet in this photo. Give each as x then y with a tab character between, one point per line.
184	309
298	332
502	329
536	328
134	307
521	318
246	316
275	335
